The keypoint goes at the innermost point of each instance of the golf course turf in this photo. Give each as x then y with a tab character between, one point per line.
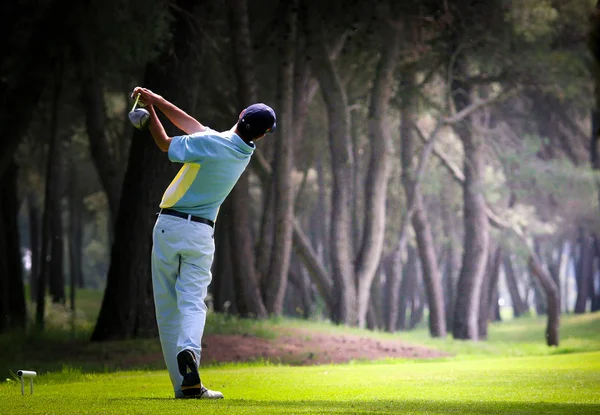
511	373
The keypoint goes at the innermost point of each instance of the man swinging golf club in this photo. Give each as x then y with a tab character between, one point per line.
183	244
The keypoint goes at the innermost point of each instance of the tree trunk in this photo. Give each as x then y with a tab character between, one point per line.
417	308
519	306
431	273
495	308
128	307
319	222
408	288
249	299
595	141
483	312
488	290
539	301
475	221
283	167
450	283
94	108
57	270
314	259
12	300
51	194
300	280
566	290
33	213
553	299
75	230
4	275
494	290
319	275
452	263
375	319
420	223
388	268
584	271
345	298
241	240
358	198
594	46
264	246
378	173
305	88
595	292
393	291
222	287
51	33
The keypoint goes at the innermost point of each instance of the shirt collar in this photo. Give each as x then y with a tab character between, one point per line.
241	144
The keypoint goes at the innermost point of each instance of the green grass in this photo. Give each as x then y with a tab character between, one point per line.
512	372
88	303
558	384
521	337
517	337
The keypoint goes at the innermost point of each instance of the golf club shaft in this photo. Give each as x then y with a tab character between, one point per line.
137	98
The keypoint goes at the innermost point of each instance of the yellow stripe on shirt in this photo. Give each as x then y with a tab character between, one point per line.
180	185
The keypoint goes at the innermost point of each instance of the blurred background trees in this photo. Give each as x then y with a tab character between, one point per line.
435	161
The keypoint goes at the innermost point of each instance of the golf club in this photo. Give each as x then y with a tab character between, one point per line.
139	117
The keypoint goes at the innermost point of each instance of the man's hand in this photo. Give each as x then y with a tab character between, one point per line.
146	96
177	116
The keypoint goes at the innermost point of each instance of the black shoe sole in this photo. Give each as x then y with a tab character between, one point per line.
191	384
194	388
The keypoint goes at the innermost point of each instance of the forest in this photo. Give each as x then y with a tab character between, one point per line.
435	162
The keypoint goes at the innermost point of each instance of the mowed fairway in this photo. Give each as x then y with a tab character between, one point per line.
561	384
511	373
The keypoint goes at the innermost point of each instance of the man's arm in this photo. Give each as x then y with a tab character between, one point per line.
162	140
176	115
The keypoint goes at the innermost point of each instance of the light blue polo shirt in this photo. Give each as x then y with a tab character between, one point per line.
212	163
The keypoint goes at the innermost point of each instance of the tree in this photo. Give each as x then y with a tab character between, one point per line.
12	297
283	163
45	45
376	183
75	227
585	271
24	83
594	46
250	301
420	223
476	236
518	305
51	236
336	101
127	307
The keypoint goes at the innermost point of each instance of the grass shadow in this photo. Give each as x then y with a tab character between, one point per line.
417	406
382	406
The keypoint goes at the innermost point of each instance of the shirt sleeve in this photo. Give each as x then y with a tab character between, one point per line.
191	148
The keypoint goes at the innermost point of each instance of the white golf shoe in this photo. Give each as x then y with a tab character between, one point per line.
208	394
204	393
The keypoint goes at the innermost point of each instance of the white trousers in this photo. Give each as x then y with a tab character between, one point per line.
182	255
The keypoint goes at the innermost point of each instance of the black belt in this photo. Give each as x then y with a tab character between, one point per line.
187	216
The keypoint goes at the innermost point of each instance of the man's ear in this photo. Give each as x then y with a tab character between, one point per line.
241	114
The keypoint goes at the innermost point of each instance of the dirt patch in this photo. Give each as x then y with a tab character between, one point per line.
304	347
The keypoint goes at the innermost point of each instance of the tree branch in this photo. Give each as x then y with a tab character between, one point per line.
477	104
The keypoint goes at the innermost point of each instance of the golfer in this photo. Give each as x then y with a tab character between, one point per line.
183	244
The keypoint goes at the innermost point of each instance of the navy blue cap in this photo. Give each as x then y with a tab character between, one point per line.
257	119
